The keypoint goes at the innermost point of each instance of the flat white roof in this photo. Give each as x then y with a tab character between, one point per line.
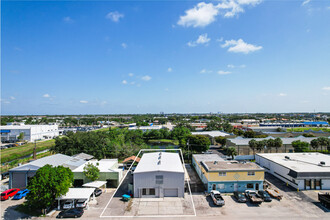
300	162
77	193
104	165
13	127
160	161
211	133
95	184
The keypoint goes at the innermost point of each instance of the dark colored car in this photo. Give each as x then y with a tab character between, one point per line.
265	196
97	192
71	213
240	197
8	193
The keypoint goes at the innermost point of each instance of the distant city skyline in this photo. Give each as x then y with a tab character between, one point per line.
121	57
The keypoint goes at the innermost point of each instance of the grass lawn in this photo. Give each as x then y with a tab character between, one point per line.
304	129
14	153
102	129
164	141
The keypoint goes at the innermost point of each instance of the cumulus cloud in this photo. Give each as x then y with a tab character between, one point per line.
83	101
12	97
124	45
204	14
46	95
114	16
239	46
282	94
124	82
221	72
326	88
146	78
305	2
233	66
202	40
68	20
131	74
169	69
205	71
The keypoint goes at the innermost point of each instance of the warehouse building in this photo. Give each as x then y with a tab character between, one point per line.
228	176
159	175
303	171
30	132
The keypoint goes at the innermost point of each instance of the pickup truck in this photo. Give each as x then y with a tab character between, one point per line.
217	198
253	196
324	198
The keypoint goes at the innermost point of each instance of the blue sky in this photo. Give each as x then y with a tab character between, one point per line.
88	57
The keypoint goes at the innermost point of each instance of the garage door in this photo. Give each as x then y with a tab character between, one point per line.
170	192
18	180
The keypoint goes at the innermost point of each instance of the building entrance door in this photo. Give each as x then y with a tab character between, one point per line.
235	187
257	186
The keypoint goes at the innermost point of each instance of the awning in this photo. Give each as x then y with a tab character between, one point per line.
95	184
77	193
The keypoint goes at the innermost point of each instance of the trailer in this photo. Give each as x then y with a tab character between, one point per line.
274	193
324	199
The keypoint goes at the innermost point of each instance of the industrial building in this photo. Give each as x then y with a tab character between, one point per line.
228	176
303	171
213	134
158	175
109	172
30	132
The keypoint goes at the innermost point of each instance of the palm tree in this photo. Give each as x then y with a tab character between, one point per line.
315	143
231	151
278	143
261	145
270	143
253	145
323	142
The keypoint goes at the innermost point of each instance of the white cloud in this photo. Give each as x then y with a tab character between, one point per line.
204	14
124	45
233	66
46	96
83	101
104	102
166	89
282	94
305	2
326	88
230	66
205	71
68	20
124	82
146	78
221	72
115	16
169	69
131	74
202	39
132	83
239	46
12	97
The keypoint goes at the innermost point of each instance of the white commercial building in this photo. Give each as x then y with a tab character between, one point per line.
302	171
31	132
159	175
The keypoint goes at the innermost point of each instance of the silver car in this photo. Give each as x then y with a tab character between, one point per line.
217	198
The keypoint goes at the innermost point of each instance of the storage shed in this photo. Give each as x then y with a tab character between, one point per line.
159	175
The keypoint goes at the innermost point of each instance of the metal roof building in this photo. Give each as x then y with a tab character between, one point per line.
303	171
159	174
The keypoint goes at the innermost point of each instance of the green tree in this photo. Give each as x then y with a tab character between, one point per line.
221	140
231	151
261	145
278	143
213	126
198	143
179	133
91	172
315	144
253	145
300	146
324	142
20	136
270	143
249	134
47	184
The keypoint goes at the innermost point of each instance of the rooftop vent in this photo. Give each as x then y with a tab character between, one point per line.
322	163
215	162
160	153
159	162
287	157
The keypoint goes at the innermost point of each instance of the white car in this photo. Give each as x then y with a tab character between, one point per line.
217	198
81	203
68	205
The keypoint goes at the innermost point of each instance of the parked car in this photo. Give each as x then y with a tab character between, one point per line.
8	193
217	198
97	192
253	196
264	195
71	213
81	203
21	194
68	205
240	196
324	199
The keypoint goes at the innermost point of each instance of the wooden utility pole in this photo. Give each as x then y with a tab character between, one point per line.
35	150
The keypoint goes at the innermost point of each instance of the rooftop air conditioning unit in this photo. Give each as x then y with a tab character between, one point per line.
287	157
322	163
